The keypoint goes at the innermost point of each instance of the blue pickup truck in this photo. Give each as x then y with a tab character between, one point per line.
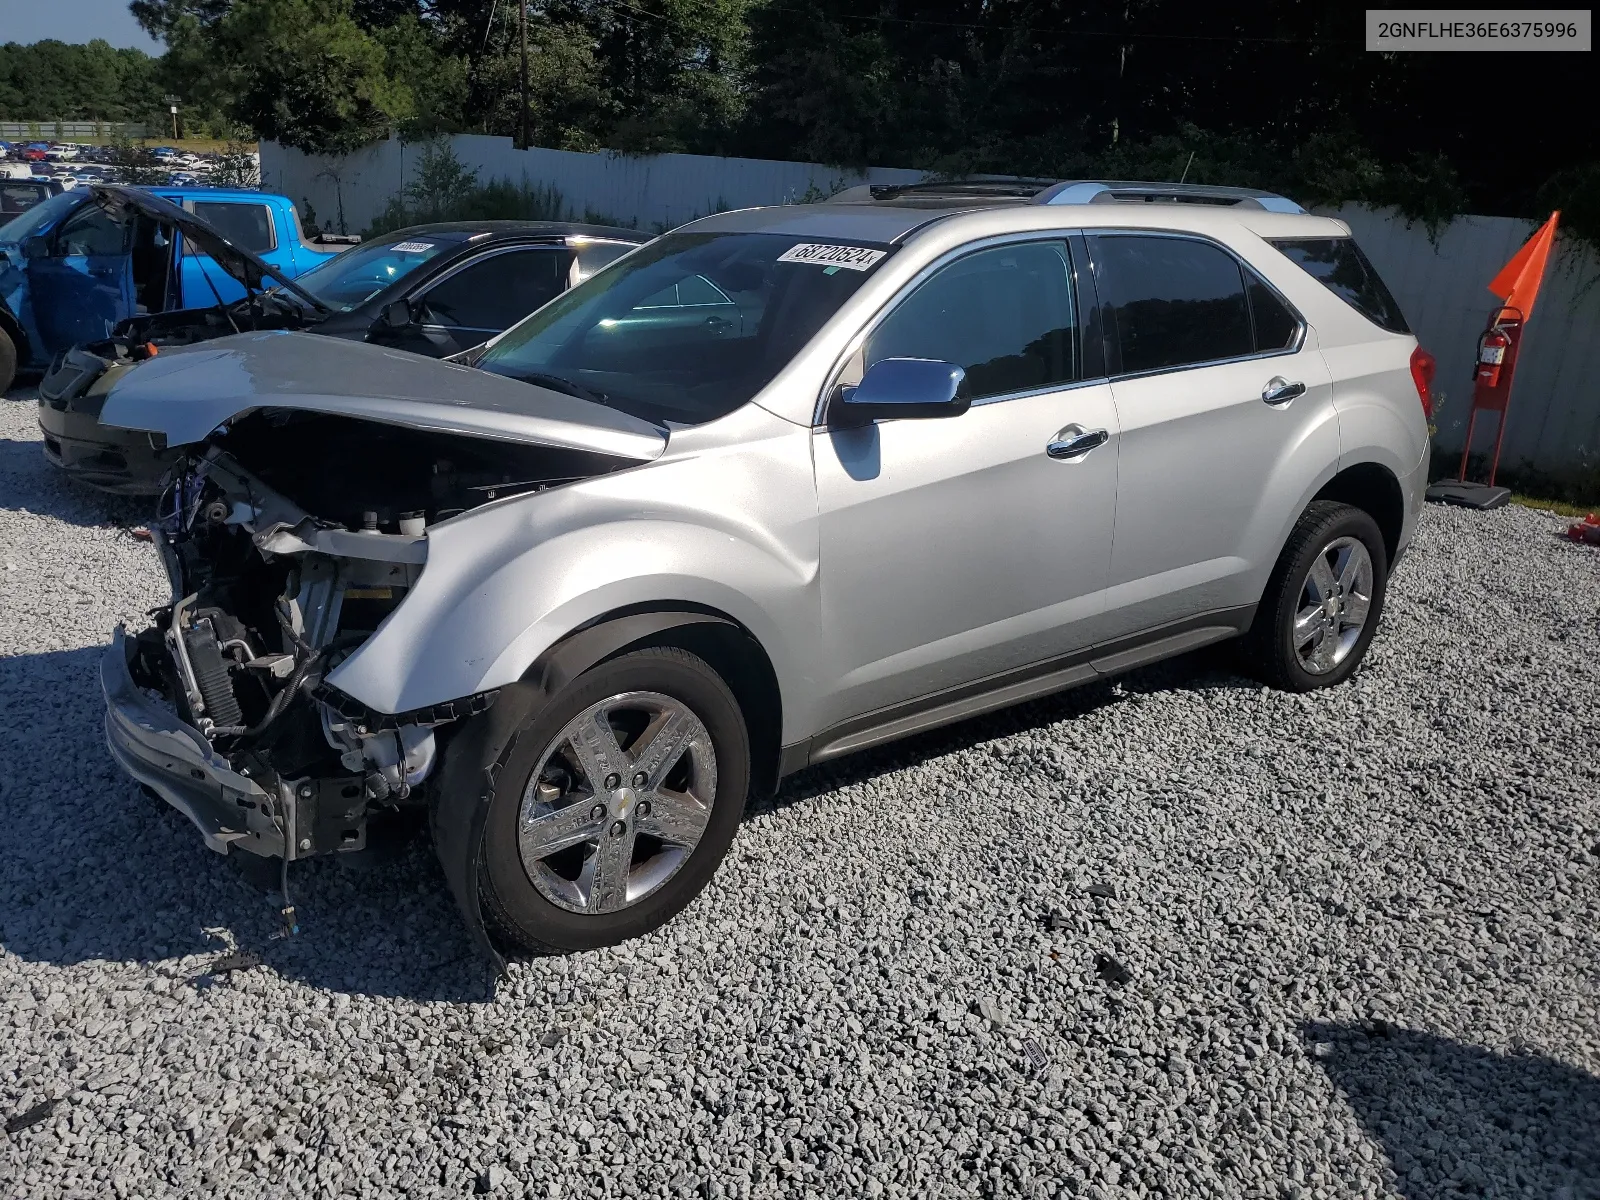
75	265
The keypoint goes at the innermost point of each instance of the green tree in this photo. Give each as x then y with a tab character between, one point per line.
302	72
91	81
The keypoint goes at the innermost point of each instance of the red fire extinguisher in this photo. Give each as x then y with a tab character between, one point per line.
1492	347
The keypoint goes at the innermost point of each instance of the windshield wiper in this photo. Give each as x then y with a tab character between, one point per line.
560	383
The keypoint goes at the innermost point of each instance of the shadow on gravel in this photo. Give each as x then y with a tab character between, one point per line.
91	869
1210	668
28	483
1459	1120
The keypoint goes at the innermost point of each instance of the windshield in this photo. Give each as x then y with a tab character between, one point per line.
350	279
40	216
689	327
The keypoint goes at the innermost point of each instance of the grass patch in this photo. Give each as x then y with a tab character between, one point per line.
1571	491
1559	507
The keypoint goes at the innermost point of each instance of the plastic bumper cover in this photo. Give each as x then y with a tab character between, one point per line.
175	761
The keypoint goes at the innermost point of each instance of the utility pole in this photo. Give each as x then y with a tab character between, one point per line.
522	21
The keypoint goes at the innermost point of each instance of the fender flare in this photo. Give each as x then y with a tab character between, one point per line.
459	808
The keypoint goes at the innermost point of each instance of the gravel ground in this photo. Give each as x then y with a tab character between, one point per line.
1338	945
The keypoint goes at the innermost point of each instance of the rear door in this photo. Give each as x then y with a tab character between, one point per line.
1227	419
471	302
85	285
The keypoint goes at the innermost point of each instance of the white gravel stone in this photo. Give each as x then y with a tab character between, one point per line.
1359	930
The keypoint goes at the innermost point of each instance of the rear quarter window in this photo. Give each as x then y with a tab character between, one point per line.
1340	266
242	223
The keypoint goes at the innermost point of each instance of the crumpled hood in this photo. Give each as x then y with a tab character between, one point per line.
186	393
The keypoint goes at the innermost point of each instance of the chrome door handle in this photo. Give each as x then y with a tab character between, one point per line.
1280	391
1075	441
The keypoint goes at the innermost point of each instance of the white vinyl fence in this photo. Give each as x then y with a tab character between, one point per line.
1554	423
654	191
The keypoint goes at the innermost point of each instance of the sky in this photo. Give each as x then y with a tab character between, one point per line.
73	21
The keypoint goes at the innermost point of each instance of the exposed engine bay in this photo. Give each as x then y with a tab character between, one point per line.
271	594
138	338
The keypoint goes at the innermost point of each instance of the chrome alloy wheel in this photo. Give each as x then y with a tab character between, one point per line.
619	801
1334	601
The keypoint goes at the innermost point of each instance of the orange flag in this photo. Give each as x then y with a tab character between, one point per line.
1518	281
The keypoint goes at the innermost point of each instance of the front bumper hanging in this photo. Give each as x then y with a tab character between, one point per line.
174	760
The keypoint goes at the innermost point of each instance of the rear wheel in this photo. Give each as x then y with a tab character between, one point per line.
1323	601
8	361
617	802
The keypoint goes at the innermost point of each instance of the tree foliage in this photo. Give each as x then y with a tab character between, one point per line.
52	80
1270	92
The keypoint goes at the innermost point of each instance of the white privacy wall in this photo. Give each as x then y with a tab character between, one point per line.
646	191
1440	283
1554	420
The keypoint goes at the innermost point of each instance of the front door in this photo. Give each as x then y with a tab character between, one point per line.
957	549
1227	418
85	285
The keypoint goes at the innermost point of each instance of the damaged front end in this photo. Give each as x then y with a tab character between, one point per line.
222	705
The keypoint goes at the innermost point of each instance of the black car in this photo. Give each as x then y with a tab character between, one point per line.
19	195
431	289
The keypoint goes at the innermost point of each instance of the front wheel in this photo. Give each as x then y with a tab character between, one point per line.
616	804
8	361
1323	601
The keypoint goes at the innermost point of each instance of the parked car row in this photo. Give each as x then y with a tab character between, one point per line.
720	506
67	166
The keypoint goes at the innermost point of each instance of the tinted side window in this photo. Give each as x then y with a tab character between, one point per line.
1339	265
591	256
91	230
497	292
1177	302
15	197
1275	323
246	225
1005	314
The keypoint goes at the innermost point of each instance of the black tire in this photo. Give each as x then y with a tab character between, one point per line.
514	908
1270	644
8	361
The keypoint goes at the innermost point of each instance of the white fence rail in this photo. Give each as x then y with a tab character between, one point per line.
1555	413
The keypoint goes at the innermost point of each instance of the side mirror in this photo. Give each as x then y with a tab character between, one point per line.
899	388
35	247
395	315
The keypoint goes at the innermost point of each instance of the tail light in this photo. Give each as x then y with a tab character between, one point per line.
1423	365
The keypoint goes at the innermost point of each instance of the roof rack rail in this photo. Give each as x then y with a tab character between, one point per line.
1101	191
1069	191
1022	190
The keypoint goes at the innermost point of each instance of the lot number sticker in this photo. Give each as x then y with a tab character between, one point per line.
411	247
853	258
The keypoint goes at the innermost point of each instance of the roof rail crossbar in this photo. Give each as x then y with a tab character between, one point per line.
1069	191
1099	191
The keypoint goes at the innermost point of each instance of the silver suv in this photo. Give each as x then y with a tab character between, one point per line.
780	485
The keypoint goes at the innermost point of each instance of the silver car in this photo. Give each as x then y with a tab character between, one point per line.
778	486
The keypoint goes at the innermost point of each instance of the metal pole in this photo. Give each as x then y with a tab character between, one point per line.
522	21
